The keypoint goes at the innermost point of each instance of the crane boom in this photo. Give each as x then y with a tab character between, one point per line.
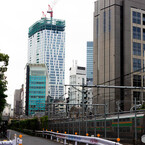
50	11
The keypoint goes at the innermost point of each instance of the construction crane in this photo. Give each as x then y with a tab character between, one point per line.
43	15
50	11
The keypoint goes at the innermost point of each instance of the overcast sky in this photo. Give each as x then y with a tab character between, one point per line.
18	15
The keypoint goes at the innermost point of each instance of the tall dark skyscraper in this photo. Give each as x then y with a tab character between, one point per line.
119	44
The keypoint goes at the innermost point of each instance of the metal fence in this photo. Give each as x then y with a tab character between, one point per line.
76	138
124	125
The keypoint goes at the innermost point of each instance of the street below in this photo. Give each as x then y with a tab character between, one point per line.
31	140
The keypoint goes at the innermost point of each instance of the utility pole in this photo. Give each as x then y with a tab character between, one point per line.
83	97
135	123
118	103
105	107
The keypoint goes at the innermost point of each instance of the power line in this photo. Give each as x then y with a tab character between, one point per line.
122	76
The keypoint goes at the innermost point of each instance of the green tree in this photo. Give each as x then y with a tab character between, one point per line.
4	59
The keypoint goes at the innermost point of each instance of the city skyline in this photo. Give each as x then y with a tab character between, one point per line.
14	33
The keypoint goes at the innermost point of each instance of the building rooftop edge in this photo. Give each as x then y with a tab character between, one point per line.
48	24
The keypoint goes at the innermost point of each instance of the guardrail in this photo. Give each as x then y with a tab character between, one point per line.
77	138
15	141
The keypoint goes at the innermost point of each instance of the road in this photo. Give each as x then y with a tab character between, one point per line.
31	140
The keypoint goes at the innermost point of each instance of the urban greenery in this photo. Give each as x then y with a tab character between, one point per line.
44	122
4	59
29	125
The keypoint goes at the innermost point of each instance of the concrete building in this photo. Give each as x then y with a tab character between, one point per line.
119	44
19	102
46	45
36	89
77	74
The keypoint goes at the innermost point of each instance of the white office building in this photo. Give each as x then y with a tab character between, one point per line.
47	46
77	74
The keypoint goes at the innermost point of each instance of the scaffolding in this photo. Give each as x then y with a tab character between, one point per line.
47	24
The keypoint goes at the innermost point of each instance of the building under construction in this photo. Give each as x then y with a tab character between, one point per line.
47	46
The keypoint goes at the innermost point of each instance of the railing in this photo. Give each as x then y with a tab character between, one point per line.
76	138
15	141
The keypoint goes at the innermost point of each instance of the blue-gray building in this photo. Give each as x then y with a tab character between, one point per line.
89	63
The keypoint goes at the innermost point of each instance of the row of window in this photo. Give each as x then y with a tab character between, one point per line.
37	87
109	15
37	82
38	97
37	92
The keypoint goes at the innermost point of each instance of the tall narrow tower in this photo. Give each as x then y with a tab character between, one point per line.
47	46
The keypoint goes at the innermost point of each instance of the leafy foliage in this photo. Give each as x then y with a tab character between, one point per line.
44	122
30	124
4	59
27	126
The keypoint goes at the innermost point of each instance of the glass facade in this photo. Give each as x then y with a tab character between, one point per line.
37	93
136	33
136	17
36	89
137	80
136	49
136	64
50	50
90	63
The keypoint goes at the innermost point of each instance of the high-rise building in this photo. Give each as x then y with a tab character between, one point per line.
36	89
119	44
89	63
77	75
47	46
89	68
19	102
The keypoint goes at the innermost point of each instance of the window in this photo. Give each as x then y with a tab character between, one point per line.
136	33
137	96
136	64
143	34
136	49
143	49
137	80
143	19
136	17
143	65
144	81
